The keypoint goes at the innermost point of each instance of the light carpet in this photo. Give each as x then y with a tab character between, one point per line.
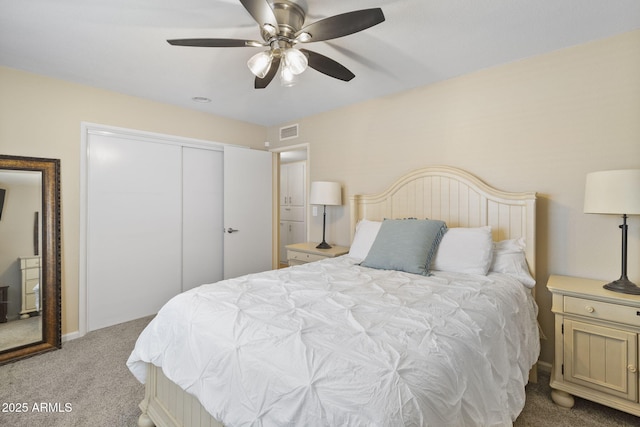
86	383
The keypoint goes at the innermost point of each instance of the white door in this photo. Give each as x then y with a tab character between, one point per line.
296	232
134	235
296	184
284	241
290	232
292	209
202	190
247	211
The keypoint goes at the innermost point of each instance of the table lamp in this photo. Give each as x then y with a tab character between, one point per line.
325	193
615	192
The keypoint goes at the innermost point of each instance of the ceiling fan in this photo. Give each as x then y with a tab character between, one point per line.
282	27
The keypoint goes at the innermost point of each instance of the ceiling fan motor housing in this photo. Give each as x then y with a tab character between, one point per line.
290	17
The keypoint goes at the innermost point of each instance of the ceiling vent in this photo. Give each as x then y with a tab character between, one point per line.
289	132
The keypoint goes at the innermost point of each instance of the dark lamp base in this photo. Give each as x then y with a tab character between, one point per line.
623	285
323	245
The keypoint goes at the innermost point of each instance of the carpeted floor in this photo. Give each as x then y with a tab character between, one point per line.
86	383
540	411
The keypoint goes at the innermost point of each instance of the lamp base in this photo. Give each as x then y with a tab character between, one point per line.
323	245
623	285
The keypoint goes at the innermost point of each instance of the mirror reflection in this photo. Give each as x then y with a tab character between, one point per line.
20	258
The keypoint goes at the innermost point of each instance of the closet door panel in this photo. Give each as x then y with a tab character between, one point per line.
202	193
133	228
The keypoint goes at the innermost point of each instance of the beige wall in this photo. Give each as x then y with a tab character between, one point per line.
535	125
538	124
41	117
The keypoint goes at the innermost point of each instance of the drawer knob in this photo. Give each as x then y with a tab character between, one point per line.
590	309
632	368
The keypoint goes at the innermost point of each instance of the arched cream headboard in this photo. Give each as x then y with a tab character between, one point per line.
456	197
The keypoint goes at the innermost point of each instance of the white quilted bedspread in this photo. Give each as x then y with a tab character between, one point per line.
331	343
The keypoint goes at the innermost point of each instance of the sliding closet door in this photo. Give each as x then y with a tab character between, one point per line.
155	216
133	228
202	192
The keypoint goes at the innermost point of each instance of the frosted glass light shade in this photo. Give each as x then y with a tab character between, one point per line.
613	192
260	63
295	60
325	193
287	78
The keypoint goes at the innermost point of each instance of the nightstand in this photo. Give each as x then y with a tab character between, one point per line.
301	253
596	344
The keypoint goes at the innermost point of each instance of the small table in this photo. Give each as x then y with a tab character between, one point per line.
596	344
302	253
4	301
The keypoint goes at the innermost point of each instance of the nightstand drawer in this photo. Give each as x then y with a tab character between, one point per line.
602	310
301	256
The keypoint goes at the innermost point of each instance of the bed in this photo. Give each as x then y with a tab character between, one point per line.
363	339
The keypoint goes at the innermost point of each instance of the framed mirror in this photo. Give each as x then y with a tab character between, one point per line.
30	268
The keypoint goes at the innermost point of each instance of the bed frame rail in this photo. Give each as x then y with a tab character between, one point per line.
167	405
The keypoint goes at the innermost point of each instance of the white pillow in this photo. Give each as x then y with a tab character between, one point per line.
509	258
366	232
465	250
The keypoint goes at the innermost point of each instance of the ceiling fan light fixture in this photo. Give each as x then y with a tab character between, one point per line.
295	61
287	78
282	26
260	63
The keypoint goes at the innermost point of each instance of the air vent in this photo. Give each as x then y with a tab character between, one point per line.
289	132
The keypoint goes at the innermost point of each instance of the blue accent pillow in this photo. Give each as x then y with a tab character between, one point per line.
405	245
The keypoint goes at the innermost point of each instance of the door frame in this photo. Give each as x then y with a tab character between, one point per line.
276	195
86	129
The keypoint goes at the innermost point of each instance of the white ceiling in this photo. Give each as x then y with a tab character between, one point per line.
120	45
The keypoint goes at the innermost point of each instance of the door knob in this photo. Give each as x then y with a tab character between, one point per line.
231	230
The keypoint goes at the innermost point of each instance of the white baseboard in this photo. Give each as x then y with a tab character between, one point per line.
71	336
544	366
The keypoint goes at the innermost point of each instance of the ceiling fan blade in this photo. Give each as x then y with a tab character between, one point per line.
215	43
261	12
342	25
328	66
273	70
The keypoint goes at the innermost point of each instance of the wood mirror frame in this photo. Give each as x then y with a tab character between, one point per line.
51	255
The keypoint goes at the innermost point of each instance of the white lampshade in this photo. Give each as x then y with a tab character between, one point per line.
325	193
613	192
287	78
295	60
260	63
